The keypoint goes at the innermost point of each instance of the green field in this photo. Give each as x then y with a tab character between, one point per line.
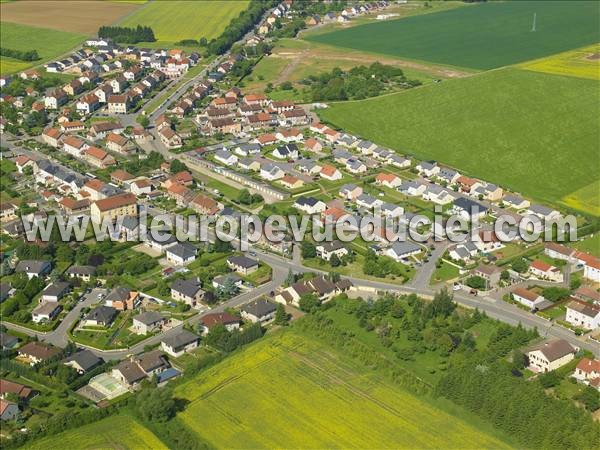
288	391
482	36
535	133
590	244
114	432
175	20
48	43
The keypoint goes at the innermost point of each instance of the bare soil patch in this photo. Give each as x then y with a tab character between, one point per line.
76	16
594	56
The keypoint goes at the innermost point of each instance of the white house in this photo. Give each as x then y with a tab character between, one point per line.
271	172
551	355
428	168
179	343
402	250
326	250
181	253
527	297
226	157
310	205
542	270
583	315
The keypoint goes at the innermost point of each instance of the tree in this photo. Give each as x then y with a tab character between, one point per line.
290	279
156	404
476	282
244	197
519	359
504	275
520	265
309	302
549	379
590	398
143	120
281	317
64	253
334	260
308	250
441	306
177	166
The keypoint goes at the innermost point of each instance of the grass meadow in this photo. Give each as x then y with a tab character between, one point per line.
533	132
49	44
583	63
482	36
175	20
114	432
289	391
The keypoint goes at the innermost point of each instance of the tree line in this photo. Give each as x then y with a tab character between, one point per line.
239	26
127	35
23	55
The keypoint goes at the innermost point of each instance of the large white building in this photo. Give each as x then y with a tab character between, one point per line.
583	315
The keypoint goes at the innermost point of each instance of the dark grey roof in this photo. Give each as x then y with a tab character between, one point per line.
152	360
149	317
7	340
242	261
184	250
404	248
85	359
102	314
259	308
118	294
309	201
4	291
332	246
469	205
56	289
81	270
180	339
189	288
221	279
130	371
33	266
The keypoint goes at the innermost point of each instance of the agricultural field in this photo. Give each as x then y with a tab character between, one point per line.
582	63
586	198
501	126
82	17
114	432
49	44
230	402
175	20
590	244
482	36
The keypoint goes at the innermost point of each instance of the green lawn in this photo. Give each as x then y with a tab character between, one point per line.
590	244
483	36
48	43
517	128
313	397
114	432
175	20
444	273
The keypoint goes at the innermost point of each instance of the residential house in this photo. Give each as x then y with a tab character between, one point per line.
542	270
119	144
288	152
350	192
309	205
88	104
83	361
118	104
99	158
468	209
114	207
187	291
74	146
242	264
587	370
368	201
34	268
122	298
36	352
179	343
120	176
169	138
8	410
313	145
181	253
51	136
100	316
230	322
401	251
221	281
583	315
326	250
271	172
388	180
55	291
226	157
491	274
24	393
258	311
355	166
551	355
527	297
330	173
45	312
514	201
248	164
291	182
84	273
148	322
55	99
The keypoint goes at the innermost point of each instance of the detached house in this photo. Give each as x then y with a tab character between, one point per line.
51	136
119	144
88	104
550	355
310	205
542	270
583	315
169	138
99	158
242	264
326	250
187	291
118	104
388	180
330	173
179	343
229	321
55	99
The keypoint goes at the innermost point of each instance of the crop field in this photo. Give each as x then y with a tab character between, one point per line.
583	63
590	244
75	16
533	132
586	198
114	432
482	36
288	391
49	44
175	20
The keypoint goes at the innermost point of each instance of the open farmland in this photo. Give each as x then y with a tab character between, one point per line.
49	44
583	63
482	36
288	391
114	432
175	20
76	16
533	132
